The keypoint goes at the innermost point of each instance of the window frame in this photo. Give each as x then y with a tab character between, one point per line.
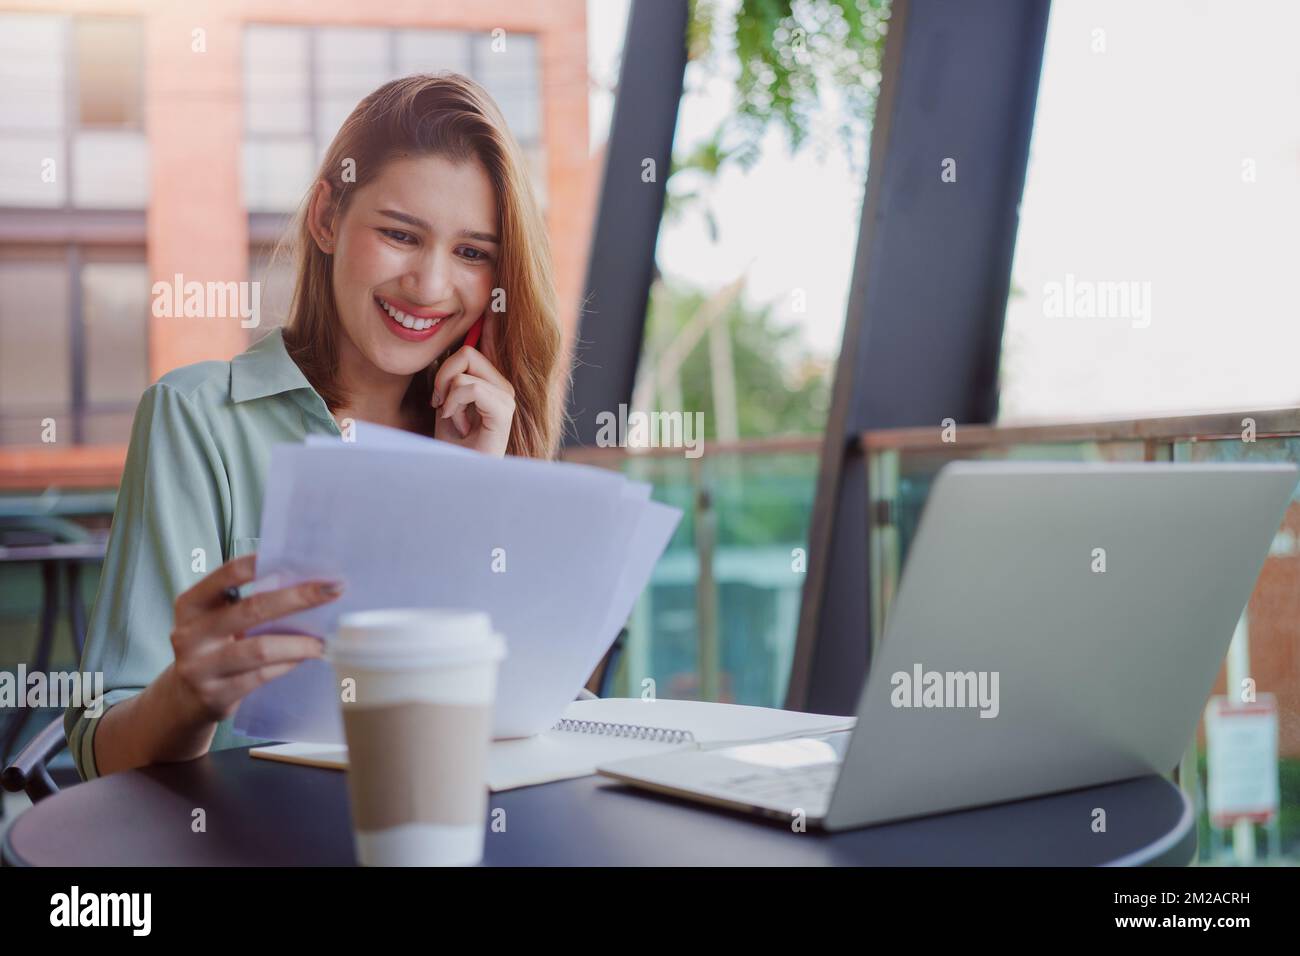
74	256
265	225
72	126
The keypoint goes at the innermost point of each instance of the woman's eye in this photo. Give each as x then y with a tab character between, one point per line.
478	255
398	236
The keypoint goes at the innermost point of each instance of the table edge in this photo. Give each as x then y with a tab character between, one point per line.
1165	850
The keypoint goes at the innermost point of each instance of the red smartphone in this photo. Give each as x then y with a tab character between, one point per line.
475	330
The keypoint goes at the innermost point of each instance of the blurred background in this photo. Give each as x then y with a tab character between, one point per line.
143	139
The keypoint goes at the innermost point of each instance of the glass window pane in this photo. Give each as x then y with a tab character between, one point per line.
430	51
35	348
277	174
514	79
350	63
31	71
1158	241
275	80
110	170
115	310
26	163
110	69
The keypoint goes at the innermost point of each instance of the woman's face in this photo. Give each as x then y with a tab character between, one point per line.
415	260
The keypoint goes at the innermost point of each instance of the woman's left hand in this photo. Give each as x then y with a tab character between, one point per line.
477	403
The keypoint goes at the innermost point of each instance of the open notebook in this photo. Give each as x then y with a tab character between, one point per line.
592	732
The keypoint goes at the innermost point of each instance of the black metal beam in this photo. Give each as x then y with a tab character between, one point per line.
923	330
621	264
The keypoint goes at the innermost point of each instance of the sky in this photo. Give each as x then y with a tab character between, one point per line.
1165	155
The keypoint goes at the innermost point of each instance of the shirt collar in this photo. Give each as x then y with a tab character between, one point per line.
265	369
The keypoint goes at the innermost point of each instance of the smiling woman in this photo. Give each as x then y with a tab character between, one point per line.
401	294
421	221
420	233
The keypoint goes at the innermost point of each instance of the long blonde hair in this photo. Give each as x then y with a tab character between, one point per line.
450	115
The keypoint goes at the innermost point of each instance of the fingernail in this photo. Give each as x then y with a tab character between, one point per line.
330	588
437	399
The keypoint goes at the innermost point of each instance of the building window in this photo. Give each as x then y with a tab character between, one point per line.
300	84
32	123
73	343
115	360
72	113
35	375
110	73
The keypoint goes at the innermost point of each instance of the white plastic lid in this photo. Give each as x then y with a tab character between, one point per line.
406	637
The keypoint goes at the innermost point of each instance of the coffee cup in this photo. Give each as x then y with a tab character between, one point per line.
417	692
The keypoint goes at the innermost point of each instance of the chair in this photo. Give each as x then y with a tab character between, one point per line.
29	771
44	535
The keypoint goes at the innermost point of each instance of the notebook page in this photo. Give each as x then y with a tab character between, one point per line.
561	754
712	725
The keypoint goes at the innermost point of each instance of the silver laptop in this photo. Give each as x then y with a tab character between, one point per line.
1057	625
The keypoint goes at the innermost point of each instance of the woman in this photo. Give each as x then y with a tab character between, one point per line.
421	221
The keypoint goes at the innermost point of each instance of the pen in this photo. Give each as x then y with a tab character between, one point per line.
231	594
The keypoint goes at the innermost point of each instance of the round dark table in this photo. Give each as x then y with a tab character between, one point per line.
267	813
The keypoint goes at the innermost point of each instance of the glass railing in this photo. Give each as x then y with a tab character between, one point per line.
719	618
1245	784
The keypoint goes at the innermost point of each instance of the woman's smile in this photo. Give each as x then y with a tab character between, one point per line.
409	322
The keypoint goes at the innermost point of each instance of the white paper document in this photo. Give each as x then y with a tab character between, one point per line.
556	553
583	739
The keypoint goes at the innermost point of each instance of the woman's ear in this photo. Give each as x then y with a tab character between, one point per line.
320	217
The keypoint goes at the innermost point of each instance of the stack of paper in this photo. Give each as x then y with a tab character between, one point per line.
556	553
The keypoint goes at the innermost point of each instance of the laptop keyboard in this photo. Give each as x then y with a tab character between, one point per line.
802	787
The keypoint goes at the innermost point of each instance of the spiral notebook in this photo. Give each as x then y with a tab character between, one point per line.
592	732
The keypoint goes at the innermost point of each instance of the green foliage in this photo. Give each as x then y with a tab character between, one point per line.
782	389
786	51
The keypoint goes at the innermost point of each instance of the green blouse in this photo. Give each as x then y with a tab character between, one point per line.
190	499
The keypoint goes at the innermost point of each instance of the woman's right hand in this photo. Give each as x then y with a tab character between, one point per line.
216	664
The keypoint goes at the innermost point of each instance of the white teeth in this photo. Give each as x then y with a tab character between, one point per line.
408	321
